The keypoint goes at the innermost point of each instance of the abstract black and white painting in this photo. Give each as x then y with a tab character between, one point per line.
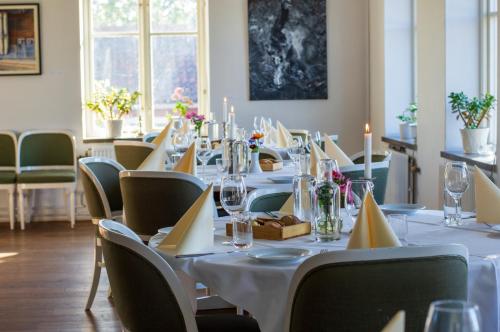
287	49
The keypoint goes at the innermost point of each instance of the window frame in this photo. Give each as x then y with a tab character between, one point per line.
145	69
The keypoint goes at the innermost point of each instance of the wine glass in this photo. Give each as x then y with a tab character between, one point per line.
256	124
453	316
233	195
204	151
456	181
355	191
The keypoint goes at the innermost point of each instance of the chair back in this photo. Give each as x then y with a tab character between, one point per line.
149	137
8	150
361	290
217	154
268	153
377	156
153	200
147	294
131	154
266	200
46	150
101	184
380	171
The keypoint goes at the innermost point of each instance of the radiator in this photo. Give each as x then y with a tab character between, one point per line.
397	182
102	150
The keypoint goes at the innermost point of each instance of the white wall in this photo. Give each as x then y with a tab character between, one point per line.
346	110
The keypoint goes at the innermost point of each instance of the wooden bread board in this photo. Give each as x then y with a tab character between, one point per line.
274	166
277	234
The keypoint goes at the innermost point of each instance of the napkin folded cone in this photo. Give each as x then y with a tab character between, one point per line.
371	229
187	164
336	153
193	233
316	155
287	208
283	136
155	161
487	196
396	324
165	136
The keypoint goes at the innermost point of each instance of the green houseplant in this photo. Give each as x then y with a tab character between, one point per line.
472	112
111	104
408	125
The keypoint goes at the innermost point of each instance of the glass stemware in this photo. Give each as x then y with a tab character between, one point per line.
453	316
204	150
456	181
355	191
233	195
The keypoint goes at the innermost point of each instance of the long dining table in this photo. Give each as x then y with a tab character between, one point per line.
262	289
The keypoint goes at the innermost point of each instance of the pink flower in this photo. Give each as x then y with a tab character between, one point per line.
190	115
178	94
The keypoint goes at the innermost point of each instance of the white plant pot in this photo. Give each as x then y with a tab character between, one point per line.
413	130
474	140
405	131
114	128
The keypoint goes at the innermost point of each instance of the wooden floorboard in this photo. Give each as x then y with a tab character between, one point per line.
45	274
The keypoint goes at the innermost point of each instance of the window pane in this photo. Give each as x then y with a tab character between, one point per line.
116	60
115	15
173	15
174	65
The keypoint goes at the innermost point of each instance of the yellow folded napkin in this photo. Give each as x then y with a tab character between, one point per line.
155	161
187	164
371	229
396	324
287	208
283	136
193	233
336	153
487	196
316	155
165	135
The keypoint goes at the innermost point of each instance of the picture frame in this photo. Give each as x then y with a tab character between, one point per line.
20	48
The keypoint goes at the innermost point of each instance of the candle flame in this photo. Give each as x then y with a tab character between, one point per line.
367	128
225	99
232	109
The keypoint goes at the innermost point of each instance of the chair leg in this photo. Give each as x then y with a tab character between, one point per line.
97	274
28	202
72	208
20	207
12	217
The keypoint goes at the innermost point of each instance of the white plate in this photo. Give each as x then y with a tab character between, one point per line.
278	255
165	230
281	179
407	209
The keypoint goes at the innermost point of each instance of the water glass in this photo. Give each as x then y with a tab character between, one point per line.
354	193
399	225
456	181
242	231
453	316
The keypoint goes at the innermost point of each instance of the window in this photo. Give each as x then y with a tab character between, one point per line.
152	46
489	41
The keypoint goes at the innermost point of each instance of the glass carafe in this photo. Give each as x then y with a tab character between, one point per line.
236	152
303	191
327	204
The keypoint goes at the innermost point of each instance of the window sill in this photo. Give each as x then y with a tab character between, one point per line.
486	163
98	140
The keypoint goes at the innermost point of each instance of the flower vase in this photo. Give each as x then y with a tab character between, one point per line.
254	163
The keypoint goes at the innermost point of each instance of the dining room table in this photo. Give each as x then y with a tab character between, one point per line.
263	289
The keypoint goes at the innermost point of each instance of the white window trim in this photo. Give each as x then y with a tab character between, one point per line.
145	66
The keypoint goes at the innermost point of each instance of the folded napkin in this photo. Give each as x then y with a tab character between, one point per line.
165	136
155	161
336	153
193	233
283	136
316	155
487	196
371	229
396	324
188	162
288	207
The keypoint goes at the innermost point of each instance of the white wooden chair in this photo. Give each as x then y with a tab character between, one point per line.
46	159
8	152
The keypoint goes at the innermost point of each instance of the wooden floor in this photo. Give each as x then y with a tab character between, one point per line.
45	275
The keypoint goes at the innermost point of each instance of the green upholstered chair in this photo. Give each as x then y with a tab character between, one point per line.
131	154
149	137
8	150
147	294
46	160
153	200
101	184
361	290
266	200
217	154
377	156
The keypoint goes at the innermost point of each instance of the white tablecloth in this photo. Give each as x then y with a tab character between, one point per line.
262	290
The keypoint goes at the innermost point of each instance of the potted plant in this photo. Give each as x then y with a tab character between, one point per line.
111	104
408	125
472	112
197	120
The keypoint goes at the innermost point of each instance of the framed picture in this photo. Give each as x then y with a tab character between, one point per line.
287	49
20	39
